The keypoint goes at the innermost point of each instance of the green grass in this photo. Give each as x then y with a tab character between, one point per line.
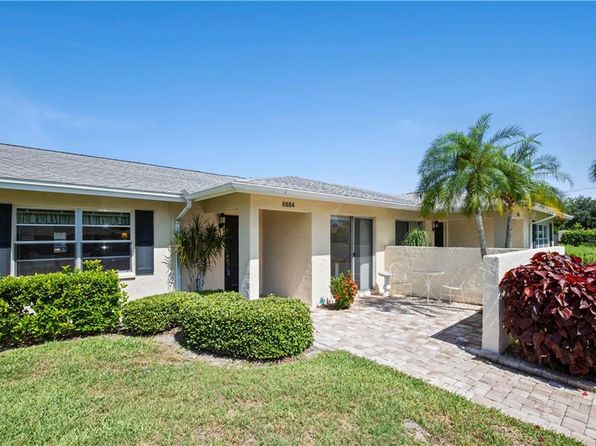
587	253
117	390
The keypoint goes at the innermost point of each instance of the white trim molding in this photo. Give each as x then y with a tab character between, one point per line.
39	186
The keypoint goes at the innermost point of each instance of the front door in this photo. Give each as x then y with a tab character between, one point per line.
440	234
231	254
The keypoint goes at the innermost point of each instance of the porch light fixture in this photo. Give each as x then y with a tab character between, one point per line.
435	225
222	220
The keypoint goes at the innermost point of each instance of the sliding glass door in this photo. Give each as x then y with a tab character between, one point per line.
352	249
363	253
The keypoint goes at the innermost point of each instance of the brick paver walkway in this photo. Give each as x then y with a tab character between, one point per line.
433	342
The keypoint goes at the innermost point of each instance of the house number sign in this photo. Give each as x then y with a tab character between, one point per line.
287	204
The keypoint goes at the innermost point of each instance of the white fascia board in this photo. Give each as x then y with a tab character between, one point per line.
548	210
38	186
292	193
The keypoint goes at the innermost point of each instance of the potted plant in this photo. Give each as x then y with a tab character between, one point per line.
343	289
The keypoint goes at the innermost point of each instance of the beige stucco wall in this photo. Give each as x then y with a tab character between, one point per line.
462	232
494	337
250	207
285	254
457	264
164	216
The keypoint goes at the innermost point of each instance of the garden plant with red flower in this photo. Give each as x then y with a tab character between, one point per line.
550	311
343	288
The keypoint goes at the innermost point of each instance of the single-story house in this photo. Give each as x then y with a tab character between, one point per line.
285	235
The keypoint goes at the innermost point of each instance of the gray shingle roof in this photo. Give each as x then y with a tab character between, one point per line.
41	165
24	163
321	187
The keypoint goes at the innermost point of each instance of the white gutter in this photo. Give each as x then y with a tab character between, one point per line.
293	193
39	186
182	213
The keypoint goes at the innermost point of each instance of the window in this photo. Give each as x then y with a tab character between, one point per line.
47	240
106	237
402	228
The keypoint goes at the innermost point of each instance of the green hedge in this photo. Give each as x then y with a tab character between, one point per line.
58	305
577	237
266	329
155	314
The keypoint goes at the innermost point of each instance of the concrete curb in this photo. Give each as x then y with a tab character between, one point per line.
536	370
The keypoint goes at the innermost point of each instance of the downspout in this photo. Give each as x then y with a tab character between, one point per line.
179	217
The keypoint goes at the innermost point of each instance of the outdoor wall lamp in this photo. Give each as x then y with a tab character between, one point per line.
435	225
222	220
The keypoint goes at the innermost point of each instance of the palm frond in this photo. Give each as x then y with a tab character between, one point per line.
507	133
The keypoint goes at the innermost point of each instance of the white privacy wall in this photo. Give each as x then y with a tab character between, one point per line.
457	264
494	337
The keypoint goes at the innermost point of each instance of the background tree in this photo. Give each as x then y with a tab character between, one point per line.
528	174
467	171
593	172
198	245
583	210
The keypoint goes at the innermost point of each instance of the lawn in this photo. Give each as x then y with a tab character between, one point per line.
121	390
587	253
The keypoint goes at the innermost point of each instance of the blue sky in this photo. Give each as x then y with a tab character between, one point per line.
343	92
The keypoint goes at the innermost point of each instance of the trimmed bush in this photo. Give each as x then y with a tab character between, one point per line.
577	237
265	329
550	311
159	313
59	305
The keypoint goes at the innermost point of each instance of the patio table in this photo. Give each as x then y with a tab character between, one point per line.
428	276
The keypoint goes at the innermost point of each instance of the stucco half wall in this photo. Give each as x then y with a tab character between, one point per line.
457	265
494	337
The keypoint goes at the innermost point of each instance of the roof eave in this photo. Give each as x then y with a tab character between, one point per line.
293	193
63	188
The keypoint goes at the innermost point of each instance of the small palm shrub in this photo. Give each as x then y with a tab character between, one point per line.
417	237
59	305
197	246
265	329
550	311
156	314
343	289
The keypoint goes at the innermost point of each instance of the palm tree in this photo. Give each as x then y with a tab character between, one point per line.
527	180
466	171
593	172
198	245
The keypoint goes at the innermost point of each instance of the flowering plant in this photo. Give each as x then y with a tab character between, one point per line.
343	288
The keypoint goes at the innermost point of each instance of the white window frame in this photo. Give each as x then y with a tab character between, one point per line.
78	241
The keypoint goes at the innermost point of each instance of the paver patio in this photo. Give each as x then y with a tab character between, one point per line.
436	342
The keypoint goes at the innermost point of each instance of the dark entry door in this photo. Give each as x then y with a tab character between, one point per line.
231	253
440	234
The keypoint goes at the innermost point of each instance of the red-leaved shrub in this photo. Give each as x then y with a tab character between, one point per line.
550	310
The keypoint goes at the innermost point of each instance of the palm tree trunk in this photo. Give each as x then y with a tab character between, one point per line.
481	236
509	229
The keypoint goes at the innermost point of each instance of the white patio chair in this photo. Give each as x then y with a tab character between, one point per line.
399	278
456	289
